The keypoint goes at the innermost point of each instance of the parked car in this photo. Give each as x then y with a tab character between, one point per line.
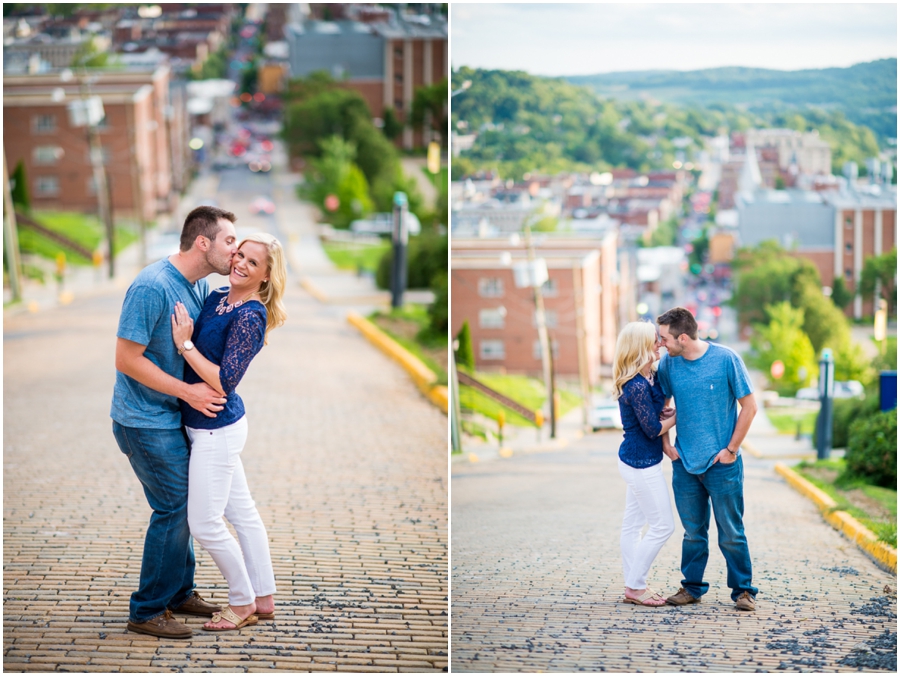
605	415
383	224
844	389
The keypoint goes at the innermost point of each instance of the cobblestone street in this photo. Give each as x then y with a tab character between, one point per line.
346	460
537	578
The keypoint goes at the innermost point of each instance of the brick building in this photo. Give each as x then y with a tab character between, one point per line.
582	274
836	230
385	56
135	137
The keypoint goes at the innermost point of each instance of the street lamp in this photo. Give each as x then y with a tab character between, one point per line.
464	87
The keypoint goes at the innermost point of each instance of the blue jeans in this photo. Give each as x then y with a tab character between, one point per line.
723	486
160	459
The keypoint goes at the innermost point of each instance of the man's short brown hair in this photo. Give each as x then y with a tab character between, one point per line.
679	320
203	221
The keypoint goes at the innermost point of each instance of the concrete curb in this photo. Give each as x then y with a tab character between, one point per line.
422	376
884	555
313	290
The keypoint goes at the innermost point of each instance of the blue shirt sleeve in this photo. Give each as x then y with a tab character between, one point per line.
246	336
739	378
662	374
141	311
639	398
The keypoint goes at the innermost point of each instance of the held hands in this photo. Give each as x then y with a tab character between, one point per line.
182	325
667	413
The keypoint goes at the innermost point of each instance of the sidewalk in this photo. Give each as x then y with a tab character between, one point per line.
537	578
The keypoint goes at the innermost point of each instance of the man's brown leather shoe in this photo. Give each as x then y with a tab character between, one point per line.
195	605
681	598
745	602
163	626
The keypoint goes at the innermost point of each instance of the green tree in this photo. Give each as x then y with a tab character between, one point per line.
840	294
783	339
438	311
880	271
465	355
336	174
430	104
392	124
20	194
851	363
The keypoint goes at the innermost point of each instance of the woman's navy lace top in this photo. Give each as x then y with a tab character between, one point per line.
640	406
230	340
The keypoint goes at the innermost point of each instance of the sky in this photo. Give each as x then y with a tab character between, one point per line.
581	39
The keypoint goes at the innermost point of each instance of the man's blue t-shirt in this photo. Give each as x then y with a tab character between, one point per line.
146	319
706	391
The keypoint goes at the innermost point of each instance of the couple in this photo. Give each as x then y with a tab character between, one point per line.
181	350
706	382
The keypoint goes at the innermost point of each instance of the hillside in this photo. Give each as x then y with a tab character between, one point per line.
528	123
865	92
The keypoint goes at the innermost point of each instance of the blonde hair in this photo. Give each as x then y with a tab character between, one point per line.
272	291
634	348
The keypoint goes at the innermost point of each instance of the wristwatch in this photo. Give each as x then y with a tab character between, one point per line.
185	347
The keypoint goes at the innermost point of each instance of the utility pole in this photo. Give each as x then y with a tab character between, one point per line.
11	237
578	286
540	320
88	112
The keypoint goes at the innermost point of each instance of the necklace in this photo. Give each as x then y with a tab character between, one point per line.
222	307
649	378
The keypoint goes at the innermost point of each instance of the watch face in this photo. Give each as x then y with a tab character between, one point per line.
188	345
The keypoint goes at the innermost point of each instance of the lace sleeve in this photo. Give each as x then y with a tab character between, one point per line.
245	338
641	402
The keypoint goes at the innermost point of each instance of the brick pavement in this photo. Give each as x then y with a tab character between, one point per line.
536	578
347	464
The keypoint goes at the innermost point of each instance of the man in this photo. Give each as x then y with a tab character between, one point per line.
147	420
707	381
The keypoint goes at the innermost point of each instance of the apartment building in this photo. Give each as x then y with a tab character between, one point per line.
135	136
384	55
579	300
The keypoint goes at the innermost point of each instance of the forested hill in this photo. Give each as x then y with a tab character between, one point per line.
524	123
865	92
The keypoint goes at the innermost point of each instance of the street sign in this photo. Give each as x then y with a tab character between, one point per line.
777	369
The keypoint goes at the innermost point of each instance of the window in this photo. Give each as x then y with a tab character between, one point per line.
398	79
536	349
44	124
848	247
47	185
47	154
398	52
398	104
493	318
848	273
551	319
492	349
490	287
550	288
848	222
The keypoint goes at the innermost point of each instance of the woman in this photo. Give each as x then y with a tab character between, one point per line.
232	327
641	402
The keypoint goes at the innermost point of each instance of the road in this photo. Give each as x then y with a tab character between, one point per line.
346	460
537	582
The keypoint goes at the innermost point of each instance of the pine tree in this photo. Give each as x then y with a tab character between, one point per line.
465	356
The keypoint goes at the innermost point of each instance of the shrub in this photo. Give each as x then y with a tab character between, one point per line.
438	311
465	355
426	257
872	449
845	412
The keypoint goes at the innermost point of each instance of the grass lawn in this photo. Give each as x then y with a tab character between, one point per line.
529	392
873	506
83	229
785	420
354	257
409	327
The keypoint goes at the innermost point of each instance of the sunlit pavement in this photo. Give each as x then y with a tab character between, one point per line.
537	582
346	461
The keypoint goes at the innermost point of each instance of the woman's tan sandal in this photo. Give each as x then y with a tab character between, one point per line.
229	615
648	595
266	616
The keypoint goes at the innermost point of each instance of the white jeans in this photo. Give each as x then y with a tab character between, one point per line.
646	501
217	487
